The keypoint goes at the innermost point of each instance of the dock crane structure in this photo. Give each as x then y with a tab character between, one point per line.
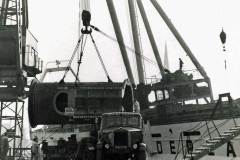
18	61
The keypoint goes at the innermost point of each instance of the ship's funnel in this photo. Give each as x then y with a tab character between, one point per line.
78	103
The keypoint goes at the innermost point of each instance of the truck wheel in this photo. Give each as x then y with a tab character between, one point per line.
141	155
88	155
99	155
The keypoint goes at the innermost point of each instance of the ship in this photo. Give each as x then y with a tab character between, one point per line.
182	119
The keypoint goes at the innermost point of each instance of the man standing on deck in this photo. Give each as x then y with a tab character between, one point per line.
180	64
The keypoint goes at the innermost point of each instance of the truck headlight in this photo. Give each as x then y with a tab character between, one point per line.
135	146
91	148
107	146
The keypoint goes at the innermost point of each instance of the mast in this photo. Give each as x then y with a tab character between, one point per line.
183	45
119	36
179	38
166	61
136	41
150	36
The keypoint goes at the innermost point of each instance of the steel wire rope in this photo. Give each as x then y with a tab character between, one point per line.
219	126
127	47
203	135
83	44
205	132
72	57
100	58
178	151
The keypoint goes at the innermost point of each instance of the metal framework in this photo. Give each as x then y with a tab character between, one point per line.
11	123
8	12
12	81
16	44
57	69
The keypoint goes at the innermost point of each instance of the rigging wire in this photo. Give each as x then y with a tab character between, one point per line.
83	44
72	57
180	137
206	131
127	47
86	17
85	4
204	134
100	58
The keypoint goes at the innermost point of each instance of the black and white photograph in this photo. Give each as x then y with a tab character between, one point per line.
119	80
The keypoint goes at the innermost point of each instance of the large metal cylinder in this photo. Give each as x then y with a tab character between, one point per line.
79	103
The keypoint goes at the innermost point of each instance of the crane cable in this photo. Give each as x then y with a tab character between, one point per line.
72	57
127	47
100	58
83	44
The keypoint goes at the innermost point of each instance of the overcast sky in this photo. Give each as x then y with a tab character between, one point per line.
55	24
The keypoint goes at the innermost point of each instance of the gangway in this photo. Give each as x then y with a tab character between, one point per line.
213	143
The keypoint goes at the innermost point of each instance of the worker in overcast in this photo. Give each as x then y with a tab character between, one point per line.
180	64
35	150
136	106
4	146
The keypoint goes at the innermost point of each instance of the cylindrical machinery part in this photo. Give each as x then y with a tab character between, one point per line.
78	103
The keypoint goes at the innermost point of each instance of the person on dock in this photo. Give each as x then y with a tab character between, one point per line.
35	150
4	147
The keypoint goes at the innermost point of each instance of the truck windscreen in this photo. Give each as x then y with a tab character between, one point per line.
121	121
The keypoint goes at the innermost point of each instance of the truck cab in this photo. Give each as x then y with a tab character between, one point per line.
121	136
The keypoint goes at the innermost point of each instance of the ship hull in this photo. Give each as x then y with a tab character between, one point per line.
165	141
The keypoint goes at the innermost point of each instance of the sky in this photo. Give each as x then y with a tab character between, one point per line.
55	24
